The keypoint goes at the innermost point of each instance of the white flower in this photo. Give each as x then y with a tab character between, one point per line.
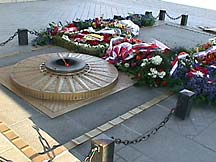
153	71
161	74
65	37
144	63
154	76
100	45
106	45
118	64
156	60
127	65
212	41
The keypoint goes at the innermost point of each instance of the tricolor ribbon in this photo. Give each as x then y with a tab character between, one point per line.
206	52
175	63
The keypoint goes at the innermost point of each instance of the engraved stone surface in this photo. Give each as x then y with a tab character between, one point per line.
46	77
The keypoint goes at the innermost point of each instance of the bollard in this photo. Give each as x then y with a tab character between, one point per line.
162	15
105	150
22	36
183	106
184	20
118	17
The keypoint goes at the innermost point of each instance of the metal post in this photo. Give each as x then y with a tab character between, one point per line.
183	106
184	20
23	36
118	17
162	15
105	150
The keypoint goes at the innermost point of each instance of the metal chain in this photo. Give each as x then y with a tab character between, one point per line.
9	39
47	148
147	134
91	154
173	18
33	32
156	16
2	159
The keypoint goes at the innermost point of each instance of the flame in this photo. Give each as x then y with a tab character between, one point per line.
66	64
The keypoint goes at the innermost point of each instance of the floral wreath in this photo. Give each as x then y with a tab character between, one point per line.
197	71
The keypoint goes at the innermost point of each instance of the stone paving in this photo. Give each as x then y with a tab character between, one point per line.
9	152
191	140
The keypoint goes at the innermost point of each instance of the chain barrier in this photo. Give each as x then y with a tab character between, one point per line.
46	147
156	16
2	159
9	39
148	133
173	18
33	32
91	154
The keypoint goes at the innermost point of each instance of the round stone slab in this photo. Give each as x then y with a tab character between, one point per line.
32	77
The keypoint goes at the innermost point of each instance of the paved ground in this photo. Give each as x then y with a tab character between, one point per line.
191	140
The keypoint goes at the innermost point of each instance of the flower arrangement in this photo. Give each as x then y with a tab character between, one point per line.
146	62
154	70
123	26
197	71
90	36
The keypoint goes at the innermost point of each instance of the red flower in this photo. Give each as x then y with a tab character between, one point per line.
149	56
138	58
138	41
55	31
157	82
166	51
206	46
126	40
134	64
71	25
93	42
210	58
138	77
164	83
133	40
79	36
85	32
98	22
161	69
137	52
202	69
117	42
107	38
69	29
190	75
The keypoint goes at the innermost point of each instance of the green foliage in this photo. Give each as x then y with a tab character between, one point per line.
82	24
57	40
142	20
42	39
